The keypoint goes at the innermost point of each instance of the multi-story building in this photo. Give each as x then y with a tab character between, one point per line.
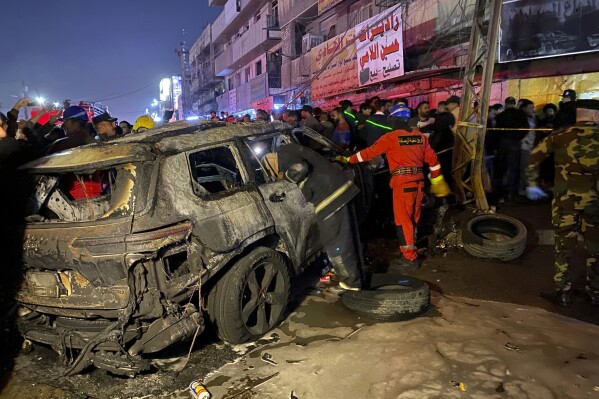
205	86
320	51
432	42
247	40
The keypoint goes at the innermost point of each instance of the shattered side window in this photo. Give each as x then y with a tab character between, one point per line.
260	151
307	138
82	196
214	171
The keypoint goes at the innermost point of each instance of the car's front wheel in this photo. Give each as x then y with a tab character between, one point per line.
250	298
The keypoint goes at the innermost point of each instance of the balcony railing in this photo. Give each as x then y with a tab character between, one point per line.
250	45
292	9
223	62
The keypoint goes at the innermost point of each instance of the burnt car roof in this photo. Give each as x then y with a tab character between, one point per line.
173	137
93	156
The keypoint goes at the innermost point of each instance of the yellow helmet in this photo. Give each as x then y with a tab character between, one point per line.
144	122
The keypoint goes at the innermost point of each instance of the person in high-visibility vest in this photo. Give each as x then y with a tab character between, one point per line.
407	152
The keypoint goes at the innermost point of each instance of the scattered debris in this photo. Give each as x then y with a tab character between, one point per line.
267	357
355	331
259	383
512	347
27	346
458	384
292	395
500	388
581	357
198	391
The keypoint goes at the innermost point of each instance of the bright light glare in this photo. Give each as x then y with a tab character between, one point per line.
40	100
192	118
258	150
56	104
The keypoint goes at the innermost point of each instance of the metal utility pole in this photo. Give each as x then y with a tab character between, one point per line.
468	159
183	53
25	93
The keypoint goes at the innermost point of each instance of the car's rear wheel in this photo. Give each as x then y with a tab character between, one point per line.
251	298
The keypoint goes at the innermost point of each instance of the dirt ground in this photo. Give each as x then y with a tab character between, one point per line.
488	329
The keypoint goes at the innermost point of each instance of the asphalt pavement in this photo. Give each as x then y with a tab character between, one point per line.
454	272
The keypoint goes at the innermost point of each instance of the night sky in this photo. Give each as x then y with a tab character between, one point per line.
94	50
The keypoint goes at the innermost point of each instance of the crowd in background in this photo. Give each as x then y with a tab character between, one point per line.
513	130
22	140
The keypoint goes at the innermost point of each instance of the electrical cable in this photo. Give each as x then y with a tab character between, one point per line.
124	94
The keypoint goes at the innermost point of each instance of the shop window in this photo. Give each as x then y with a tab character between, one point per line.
259	68
214	171
247	74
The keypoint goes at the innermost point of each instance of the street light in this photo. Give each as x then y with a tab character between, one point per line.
40	100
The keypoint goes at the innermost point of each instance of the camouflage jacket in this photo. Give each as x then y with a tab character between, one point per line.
576	151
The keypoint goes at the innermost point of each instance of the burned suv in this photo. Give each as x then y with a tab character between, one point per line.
127	242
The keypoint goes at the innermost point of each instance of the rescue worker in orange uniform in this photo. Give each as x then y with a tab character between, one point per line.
407	152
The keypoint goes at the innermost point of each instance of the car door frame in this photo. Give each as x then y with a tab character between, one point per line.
295	219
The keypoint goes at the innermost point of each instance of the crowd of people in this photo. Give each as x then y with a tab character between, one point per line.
24	139
514	129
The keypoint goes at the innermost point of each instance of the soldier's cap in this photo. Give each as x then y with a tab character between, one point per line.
587	104
105	117
569	93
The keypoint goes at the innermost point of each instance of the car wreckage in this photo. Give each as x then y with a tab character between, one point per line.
137	244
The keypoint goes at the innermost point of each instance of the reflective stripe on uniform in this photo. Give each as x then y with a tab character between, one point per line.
436	167
379	125
359	157
327	201
437	179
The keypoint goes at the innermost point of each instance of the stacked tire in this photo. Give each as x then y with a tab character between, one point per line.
494	237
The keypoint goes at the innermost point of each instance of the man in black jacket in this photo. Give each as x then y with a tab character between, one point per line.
376	124
325	185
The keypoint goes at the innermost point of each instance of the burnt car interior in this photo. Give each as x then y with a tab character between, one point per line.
80	196
214	170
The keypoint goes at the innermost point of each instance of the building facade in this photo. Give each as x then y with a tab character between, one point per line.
293	52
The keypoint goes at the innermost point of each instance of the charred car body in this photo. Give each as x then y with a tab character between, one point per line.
127	242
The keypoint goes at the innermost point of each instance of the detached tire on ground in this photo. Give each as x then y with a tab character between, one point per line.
251	298
494	237
390	298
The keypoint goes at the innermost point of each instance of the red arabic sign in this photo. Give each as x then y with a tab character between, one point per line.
334	66
380	47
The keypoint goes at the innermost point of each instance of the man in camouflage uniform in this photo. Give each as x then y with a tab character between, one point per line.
575	208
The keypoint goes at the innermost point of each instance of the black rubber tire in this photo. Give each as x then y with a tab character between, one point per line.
391	297
226	298
480	234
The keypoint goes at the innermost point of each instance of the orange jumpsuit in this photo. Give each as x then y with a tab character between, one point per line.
406	152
